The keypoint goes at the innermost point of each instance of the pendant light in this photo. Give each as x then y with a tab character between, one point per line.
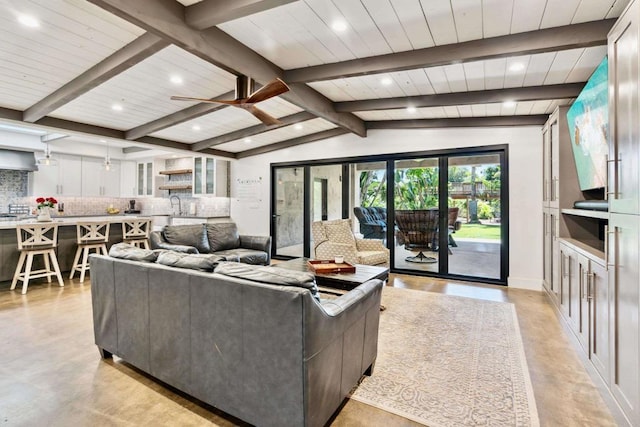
48	159
107	164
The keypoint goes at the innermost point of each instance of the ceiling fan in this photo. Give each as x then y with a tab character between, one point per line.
246	98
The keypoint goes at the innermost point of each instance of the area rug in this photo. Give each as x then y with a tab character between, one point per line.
450	361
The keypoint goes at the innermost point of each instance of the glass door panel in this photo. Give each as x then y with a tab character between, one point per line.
288	212
326	195
368	196
416	199
474	218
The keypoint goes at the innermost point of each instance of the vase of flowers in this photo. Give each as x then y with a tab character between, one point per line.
45	204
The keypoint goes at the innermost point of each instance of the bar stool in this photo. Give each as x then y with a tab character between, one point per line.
36	239
136	232
90	235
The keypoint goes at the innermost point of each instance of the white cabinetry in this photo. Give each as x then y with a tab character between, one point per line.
97	181
144	174
128	179
61	179
204	176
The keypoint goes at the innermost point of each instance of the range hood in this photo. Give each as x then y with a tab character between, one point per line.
17	160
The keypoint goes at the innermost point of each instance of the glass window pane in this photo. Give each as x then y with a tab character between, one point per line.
289	212
210	176
197	175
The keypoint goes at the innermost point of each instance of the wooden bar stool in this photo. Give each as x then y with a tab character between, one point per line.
136	232
90	235
36	239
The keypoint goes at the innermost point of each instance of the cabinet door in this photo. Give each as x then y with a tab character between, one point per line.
204	176
567	267
145	179
624	279
70	177
45	181
580	302
624	179
110	180
598	294
554	133
555	252
547	253
546	165
91	177
128	179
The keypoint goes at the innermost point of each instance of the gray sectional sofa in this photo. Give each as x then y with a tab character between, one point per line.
220	239
271	355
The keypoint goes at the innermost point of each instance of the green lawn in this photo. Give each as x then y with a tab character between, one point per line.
478	231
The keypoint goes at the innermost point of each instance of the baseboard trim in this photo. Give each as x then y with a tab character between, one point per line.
524	283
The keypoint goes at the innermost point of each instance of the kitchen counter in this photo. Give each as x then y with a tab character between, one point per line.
72	220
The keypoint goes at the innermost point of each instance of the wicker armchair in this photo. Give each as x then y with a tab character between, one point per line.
336	238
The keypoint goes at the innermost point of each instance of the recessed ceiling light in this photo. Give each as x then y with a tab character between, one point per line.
516	66
28	21
103	140
247	140
386	81
339	25
298	126
176	80
116	107
411	109
196	127
509	104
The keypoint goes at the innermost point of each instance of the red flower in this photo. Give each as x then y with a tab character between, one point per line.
40	200
52	200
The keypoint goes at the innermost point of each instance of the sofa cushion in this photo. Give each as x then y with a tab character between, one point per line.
202	262
131	252
340	232
246	256
222	236
270	275
187	235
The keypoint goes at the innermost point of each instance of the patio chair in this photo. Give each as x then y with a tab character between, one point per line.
336	238
418	230
373	222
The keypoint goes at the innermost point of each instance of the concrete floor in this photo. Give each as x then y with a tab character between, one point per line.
51	373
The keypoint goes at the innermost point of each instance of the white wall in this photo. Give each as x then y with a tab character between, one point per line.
525	177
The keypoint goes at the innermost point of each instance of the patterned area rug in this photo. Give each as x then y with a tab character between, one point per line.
450	361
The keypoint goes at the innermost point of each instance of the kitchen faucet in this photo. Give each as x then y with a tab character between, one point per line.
174	198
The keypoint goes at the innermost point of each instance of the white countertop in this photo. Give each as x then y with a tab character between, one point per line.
72	220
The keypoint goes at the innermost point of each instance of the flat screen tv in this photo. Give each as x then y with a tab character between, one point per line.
588	120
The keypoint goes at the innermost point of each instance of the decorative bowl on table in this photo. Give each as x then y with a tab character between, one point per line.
113	211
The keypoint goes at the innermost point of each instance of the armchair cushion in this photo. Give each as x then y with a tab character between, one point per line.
187	235
222	236
340	232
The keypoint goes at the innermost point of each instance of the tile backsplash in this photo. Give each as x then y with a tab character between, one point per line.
14	186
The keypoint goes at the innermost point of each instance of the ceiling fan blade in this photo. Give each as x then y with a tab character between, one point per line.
211	101
264	117
271	89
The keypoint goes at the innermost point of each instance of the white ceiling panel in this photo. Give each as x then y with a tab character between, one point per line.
586	64
527	15
557	13
413	22
441	22
144	91
562	65
72	37
384	15
468	18
224	121
281	134
496	17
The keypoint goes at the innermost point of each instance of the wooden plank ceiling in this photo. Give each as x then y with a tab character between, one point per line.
108	67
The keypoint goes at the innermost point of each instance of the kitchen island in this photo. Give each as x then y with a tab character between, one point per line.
66	240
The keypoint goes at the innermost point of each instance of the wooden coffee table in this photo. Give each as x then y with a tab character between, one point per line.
342	281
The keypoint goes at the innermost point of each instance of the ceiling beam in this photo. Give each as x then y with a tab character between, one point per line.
103	132
253	130
209	13
125	58
493	121
548	40
165	18
178	117
531	93
292	142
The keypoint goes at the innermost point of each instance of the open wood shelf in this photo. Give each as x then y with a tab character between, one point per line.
586	213
176	172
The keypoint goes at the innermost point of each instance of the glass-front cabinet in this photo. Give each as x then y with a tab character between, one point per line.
145	178
204	176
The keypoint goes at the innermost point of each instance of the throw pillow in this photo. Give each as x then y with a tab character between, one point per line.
270	275
131	252
223	236
187	235
201	262
340	232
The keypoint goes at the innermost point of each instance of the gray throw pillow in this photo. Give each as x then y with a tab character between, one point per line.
270	275
187	235
131	252
223	236
201	262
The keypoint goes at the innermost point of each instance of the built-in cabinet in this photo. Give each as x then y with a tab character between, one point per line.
63	178
599	252
128	178
204	176
624	209
144	178
99	181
